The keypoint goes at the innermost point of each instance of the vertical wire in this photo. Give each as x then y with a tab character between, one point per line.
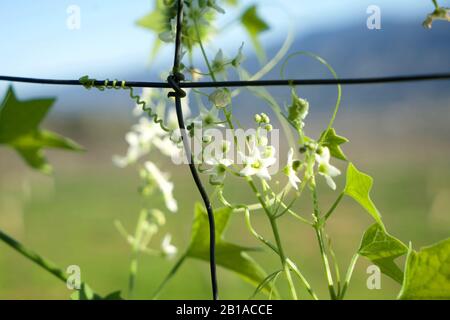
174	80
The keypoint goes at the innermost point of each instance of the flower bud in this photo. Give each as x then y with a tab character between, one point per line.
221	98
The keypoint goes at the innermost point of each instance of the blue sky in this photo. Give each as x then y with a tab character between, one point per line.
37	42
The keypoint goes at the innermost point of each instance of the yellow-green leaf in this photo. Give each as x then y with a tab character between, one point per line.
19	129
228	255
333	142
427	273
358	187
382	249
255	25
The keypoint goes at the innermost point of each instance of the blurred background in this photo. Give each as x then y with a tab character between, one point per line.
399	134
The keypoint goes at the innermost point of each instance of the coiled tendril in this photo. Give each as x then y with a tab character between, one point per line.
89	83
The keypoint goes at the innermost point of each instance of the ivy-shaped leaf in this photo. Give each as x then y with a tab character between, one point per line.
333	141
228	255
19	129
427	273
255	25
382	249
155	20
358	187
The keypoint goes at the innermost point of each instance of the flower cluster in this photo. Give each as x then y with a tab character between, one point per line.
199	16
149	224
317	155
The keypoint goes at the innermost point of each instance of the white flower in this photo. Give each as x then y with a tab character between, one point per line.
139	141
219	163
236	62
166	187
166	146
258	161
325	168
168	249
290	170
209	118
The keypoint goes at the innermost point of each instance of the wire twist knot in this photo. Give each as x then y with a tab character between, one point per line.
174	82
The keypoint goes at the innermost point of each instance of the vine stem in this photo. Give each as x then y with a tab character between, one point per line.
274	226
333	207
34	257
135	253
291	264
348	277
318	227
205	56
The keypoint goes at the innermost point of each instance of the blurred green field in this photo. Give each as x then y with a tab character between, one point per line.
69	219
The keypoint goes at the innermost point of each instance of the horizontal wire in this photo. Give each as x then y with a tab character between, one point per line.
257	83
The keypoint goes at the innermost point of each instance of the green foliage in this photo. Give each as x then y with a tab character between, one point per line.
254	25
19	129
358	187
297	111
439	13
155	20
382	249
228	255
86	293
220	98
427	273
333	141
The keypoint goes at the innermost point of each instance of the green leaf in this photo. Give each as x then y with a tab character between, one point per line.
86	293
19	129
331	140
116	295
427	273
155	20
255	25
232	2
358	187
228	255
382	249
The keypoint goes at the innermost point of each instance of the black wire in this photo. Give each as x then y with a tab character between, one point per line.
257	83
174	82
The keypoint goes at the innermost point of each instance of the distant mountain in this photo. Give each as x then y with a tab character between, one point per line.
353	52
359	52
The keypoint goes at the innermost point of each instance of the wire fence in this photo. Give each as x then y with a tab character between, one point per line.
176	82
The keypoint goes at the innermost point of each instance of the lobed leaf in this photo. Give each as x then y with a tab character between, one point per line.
254	25
155	20
228	255
333	141
19	129
382	249
358	187
427	273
